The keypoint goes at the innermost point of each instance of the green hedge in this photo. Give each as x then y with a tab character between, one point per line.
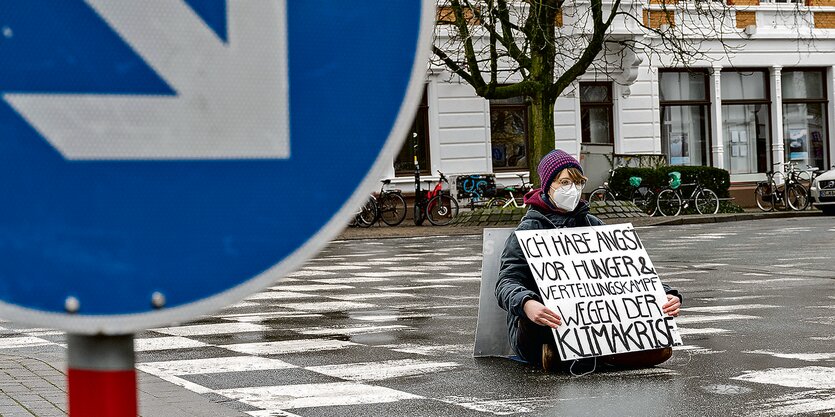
716	179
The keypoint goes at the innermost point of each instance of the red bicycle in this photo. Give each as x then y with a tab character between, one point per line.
436	205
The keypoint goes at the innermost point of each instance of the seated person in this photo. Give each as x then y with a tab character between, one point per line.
556	204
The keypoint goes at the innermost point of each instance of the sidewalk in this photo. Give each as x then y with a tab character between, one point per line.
36	385
408	229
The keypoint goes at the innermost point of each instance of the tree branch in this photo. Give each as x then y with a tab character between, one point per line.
469	51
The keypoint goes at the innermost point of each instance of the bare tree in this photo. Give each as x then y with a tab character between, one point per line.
537	48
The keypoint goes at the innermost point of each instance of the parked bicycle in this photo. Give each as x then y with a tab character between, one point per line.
806	177
391	205
799	194
642	196
670	200
790	194
366	215
436	205
512	200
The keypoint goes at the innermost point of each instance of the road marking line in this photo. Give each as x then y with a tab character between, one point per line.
696	350
279	295
350	280
815	377
377	371
288	346
212	329
460	279
166	343
329	268
726	309
414	287
350	330
260	317
809	357
354	297
737	298
706	330
308	273
496	407
712	318
328	306
271	413
816	402
23	342
213	365
426	350
395	317
382	274
315	395
312	287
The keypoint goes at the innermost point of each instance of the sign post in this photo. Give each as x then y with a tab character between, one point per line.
101	376
149	150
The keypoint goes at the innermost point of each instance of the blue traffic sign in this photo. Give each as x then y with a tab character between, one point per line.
164	158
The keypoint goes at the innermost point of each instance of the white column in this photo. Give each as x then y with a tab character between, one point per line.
718	146
777	154
655	88
575	86
830	97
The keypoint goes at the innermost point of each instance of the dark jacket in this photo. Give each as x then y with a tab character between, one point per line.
516	283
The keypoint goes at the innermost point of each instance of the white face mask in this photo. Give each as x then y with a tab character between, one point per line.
566	197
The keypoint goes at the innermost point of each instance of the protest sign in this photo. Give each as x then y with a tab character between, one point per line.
603	285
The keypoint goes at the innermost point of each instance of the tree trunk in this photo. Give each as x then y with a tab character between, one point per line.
542	140
541	26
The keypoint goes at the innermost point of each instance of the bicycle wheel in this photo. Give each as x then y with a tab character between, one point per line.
496	202
668	203
780	197
764	196
441	209
392	208
796	197
707	202
368	213
808	190
600	194
644	199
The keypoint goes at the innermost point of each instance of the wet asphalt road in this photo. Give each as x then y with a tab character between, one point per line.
386	327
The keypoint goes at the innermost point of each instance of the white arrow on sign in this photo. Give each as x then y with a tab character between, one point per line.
231	103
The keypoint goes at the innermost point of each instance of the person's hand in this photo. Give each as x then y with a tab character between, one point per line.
541	315
672	306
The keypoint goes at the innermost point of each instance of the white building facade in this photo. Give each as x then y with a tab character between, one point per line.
770	100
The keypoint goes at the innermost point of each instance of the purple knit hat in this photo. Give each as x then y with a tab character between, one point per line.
552	164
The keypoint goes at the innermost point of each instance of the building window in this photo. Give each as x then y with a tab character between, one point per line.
685	122
509	134
746	121
596	113
804	117
404	164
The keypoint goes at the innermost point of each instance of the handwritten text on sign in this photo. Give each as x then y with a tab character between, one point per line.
601	281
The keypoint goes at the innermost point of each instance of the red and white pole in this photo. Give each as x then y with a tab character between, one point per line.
101	376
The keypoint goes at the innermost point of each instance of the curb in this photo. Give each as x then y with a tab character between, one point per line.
733	217
387	232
